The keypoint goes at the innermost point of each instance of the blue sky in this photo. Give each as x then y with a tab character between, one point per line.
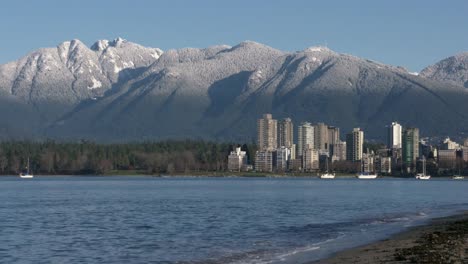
412	34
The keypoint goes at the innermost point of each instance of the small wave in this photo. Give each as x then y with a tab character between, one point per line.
283	256
407	217
422	214
312	247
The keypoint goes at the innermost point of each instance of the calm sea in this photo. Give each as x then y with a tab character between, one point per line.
207	220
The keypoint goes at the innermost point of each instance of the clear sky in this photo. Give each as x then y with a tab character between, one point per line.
409	33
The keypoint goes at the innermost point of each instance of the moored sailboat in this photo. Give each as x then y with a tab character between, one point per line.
423	175
458	176
327	174
26	174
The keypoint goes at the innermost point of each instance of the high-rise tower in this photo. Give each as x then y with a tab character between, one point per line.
354	145
394	136
305	138
285	133
267	133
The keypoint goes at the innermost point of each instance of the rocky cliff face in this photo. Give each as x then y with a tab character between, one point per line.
118	91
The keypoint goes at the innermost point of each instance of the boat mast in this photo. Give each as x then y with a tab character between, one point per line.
327	164
424	165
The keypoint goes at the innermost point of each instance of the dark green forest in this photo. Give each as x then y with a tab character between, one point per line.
50	157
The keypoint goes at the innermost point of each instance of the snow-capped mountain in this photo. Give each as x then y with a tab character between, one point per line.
453	69
50	82
118	90
72	72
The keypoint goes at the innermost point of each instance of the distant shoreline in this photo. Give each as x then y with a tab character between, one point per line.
124	173
442	240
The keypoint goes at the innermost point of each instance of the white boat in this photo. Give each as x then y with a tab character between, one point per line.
423	175
327	175
26	174
366	176
458	176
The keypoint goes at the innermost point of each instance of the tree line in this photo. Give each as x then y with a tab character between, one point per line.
50	157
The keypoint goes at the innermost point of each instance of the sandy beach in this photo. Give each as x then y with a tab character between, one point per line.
443	240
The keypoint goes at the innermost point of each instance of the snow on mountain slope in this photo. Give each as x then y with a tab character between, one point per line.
118	90
219	92
72	72
453	69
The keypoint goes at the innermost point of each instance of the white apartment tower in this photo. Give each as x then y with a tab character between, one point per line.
394	136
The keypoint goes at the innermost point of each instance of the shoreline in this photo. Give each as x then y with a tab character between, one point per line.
441	240
222	175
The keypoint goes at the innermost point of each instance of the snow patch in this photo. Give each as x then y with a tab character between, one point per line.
91	63
258	74
155	55
96	84
117	69
414	73
129	64
316	49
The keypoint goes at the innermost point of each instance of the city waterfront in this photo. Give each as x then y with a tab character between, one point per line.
219	220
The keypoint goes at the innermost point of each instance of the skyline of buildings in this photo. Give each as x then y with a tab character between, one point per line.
314	145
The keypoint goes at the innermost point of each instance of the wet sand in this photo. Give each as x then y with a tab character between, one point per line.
443	240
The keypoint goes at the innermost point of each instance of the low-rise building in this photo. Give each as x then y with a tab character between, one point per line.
295	165
339	150
449	144
465	153
383	164
237	160
264	161
447	158
368	162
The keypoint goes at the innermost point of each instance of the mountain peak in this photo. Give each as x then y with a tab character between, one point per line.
103	44
100	45
453	69
71	43
251	44
117	42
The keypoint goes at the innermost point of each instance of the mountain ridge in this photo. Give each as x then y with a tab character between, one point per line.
119	91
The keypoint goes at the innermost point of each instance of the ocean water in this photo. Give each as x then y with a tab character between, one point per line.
209	220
